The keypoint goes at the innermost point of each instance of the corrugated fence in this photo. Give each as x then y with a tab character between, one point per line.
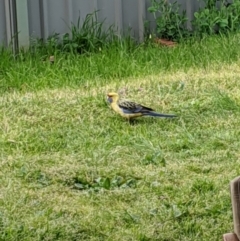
42	18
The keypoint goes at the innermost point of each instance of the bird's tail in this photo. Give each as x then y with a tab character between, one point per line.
152	113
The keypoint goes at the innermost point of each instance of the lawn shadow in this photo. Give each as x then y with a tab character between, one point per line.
150	120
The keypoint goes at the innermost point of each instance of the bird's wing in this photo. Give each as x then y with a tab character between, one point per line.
132	107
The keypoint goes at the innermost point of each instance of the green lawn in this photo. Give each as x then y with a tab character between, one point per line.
71	169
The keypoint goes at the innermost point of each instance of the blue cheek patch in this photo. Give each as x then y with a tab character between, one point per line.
110	100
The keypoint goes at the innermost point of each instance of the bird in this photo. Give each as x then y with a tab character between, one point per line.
131	110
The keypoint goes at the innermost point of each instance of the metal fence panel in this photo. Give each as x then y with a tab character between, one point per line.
34	18
46	17
3	30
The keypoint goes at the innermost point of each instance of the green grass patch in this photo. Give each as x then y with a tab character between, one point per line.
71	169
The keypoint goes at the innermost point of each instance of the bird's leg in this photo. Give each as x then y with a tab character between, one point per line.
131	121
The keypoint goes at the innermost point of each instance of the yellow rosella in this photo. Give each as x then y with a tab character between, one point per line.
130	110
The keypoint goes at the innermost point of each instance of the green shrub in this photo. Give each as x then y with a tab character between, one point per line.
170	23
216	17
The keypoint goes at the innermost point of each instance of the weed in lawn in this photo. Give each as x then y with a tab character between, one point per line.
107	183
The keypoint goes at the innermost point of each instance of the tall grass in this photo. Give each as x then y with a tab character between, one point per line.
117	60
88	35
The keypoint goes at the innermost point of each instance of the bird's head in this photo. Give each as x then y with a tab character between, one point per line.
112	97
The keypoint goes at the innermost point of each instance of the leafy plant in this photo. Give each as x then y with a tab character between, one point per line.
217	17
209	19
233	15
170	22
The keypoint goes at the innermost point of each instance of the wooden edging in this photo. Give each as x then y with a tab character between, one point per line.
235	198
230	237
